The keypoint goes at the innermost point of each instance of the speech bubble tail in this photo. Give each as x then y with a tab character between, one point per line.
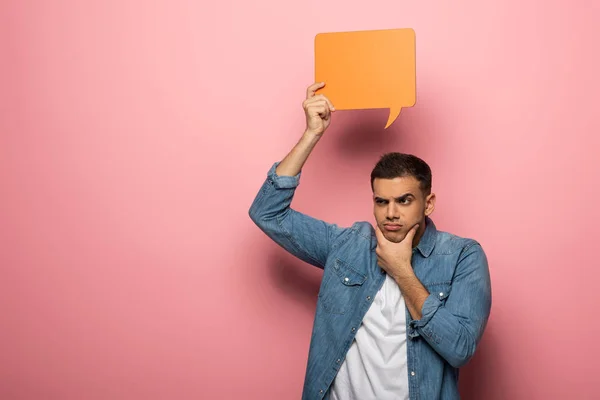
394	112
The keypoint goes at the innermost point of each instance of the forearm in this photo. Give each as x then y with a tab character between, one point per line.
451	336
453	320
442	330
293	162
413	291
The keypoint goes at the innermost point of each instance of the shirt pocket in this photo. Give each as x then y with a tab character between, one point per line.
341	287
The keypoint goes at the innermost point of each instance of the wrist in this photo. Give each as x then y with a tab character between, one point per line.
311	135
403	271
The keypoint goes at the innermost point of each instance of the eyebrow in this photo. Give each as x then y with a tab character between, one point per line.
403	197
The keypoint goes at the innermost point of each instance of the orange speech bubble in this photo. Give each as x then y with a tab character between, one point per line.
368	69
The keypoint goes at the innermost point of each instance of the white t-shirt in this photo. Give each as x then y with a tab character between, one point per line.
375	367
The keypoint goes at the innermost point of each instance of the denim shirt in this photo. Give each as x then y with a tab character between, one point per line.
454	270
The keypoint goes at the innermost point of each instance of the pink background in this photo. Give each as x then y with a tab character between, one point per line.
134	136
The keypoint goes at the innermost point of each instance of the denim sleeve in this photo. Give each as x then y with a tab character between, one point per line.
455	328
305	237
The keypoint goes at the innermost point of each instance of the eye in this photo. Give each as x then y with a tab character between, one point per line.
404	200
380	201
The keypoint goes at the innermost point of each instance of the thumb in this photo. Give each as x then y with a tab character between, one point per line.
379	234
411	234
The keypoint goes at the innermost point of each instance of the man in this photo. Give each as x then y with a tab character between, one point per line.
402	305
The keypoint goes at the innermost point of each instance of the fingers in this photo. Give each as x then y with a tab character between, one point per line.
317	105
323	97
310	92
319	109
319	98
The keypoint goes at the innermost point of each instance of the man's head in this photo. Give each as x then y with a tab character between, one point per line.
402	195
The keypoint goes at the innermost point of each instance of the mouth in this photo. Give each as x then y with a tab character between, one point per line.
392	227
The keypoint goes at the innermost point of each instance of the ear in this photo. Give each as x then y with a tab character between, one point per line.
429	204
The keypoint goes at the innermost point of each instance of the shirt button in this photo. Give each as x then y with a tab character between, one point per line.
441	294
368	298
412	373
338	361
346	279
353	329
321	391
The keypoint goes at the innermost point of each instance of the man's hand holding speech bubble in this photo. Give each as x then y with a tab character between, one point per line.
367	69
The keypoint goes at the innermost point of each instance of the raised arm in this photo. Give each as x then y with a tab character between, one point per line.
303	236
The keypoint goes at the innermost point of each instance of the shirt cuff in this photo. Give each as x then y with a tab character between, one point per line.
282	182
430	306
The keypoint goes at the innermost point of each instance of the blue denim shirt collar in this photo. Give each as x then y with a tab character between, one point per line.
427	242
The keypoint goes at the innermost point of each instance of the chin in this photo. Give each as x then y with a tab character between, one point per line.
395	237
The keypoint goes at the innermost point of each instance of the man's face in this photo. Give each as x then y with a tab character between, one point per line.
398	205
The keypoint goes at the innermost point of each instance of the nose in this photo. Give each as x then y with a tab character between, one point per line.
391	211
